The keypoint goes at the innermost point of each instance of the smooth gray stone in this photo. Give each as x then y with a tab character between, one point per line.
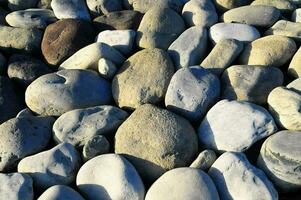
144	5
286	28
99	7
106	68
60	192
204	160
97	145
21	4
285	6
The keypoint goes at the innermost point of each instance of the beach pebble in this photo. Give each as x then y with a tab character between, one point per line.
224	5
296	16
283	5
144	5
295	65
60	192
98	7
95	146
204	160
106	68
286	28
73	9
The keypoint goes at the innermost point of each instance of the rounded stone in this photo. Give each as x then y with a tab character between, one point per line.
97	145
296	15
156	140
144	5
204	160
224	5
46	4
65	90
286	28
74	9
109	176
143	78
21	4
295	65
106	68
283	5
60	192
185	183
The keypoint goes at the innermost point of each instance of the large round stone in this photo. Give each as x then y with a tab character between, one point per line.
60	192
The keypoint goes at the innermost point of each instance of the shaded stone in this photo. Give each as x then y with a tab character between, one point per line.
74	9
97	145
204	160
295	65
224	5
60	192
21	4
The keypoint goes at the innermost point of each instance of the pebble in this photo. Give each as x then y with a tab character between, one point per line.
74	9
280	159
122	40
283	5
98	7
58	165
46	4
186	54
21	4
60	192
241	32
15	186
224	5
222	55
235	126
31	18
142	79
65	37
156	140
272	50
65	90
185	183
110	176
295	65
21	137
296	15
77	127
95	146
204	160
145	5
295	85
236	178
89	56
159	27
250	83
192	106
259	15
286	28
106	68
199	13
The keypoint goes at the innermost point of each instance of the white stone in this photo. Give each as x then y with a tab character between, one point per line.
106	68
74	9
204	160
60	192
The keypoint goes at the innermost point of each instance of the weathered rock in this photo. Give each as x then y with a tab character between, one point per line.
204	160
236	178
21	4
56	166
60	192
286	28
186	183
145	5
113	177
224	5
74	9
106	68
235	126
65	90
156	140
77	127
97	145
143	78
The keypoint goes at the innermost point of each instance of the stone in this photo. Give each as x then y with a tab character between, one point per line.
120	20
24	69
60	192
15	186
145	5
78	126
296	16
10	103
159	27
97	145
20	40
284	104
23	136
295	65
65	37
222	55
65	90
272	50
3	64
74	9
224	5
280	159
192	106
295	85
185	183
31	18
106	68
21	4
88	57
241	32
110	176
57	166
199	13
283	5
156	140
98	7
186	54
259	15
122	40
236	178
286	28
235	126
204	160
25	113
46	4
142	79
250	83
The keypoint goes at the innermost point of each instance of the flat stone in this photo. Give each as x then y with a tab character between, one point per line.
185	183
272	50
283	5
250	83
98	7
235	126
21	4
296	16
15	186
144	5
57	166
77	127
286	28
222	55
280	159
204	160
21	137
88	57
261	16
122	40
241	32
224	5
295	65
199	13
236	178
106	68
65	90
143	78
31	18
156	140
112	177
97	145
60	192
193	106
159	27
74	9
186	54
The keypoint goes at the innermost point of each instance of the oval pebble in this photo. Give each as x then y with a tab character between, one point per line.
60	192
